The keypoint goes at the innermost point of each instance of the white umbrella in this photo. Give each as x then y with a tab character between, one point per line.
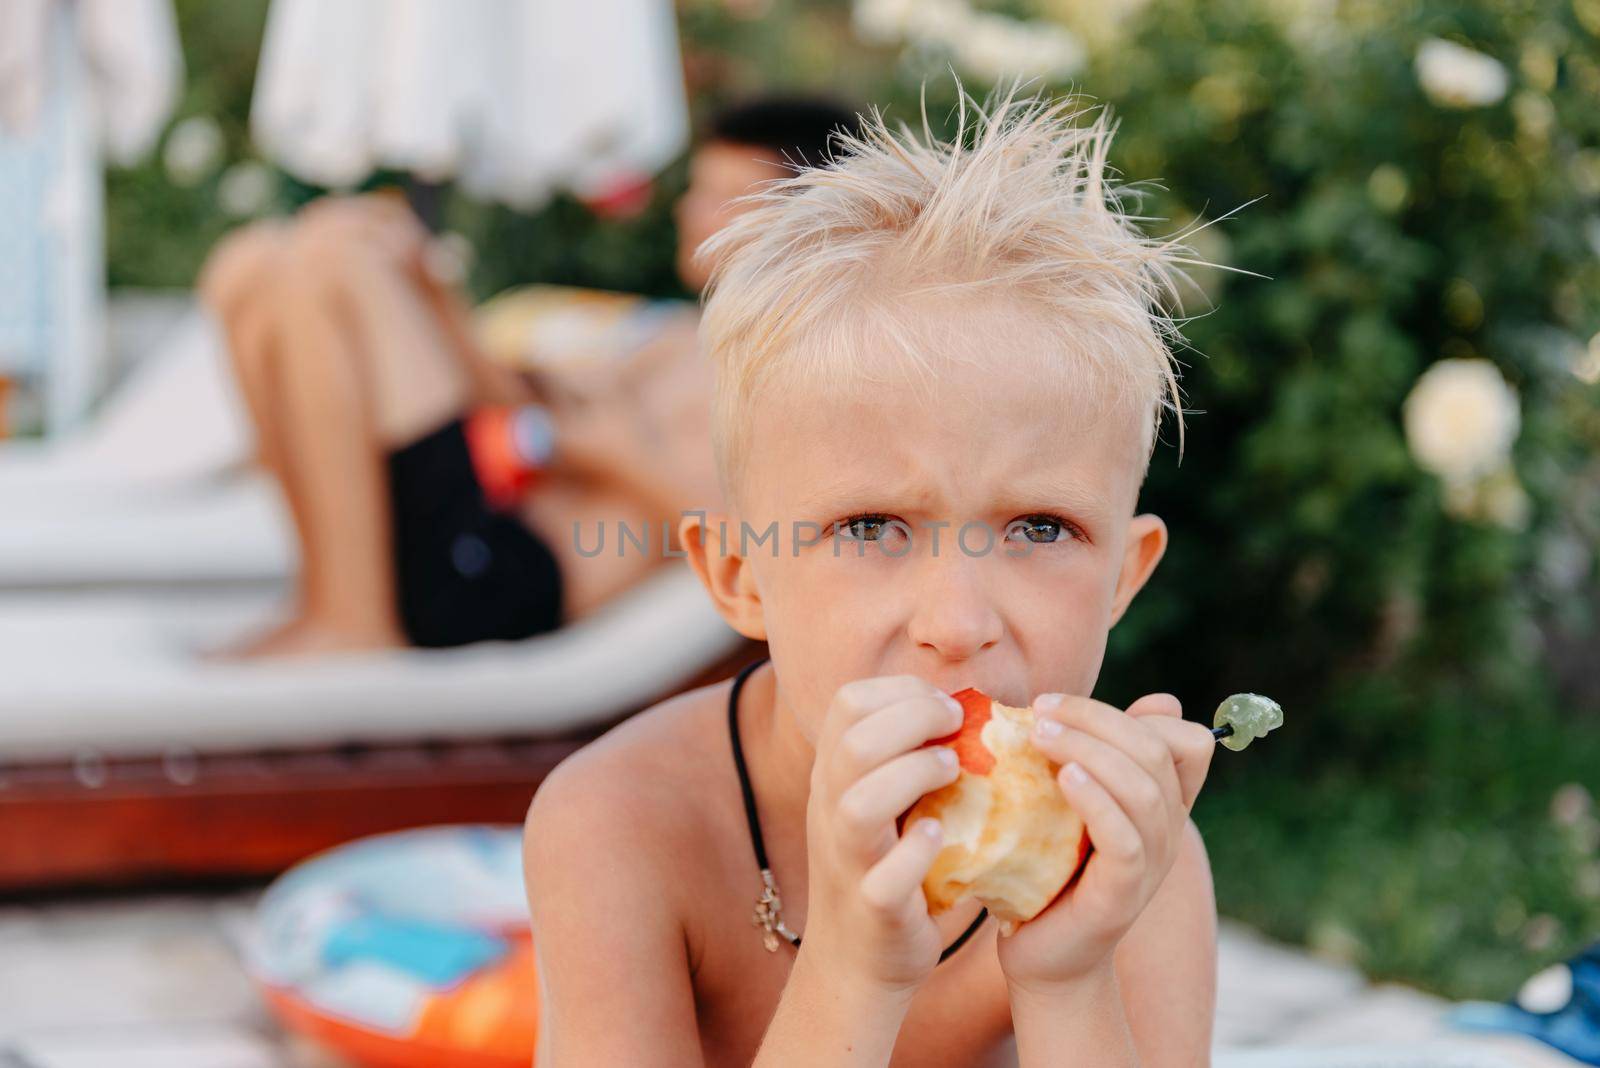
513	98
126	50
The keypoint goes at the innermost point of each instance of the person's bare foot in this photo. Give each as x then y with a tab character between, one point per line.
307	637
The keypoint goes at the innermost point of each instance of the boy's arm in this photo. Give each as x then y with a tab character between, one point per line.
1142	908
819	1023
1154	1008
869	942
614	984
1083	1024
1167	964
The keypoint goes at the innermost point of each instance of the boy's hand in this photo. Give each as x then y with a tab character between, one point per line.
1132	777
866	918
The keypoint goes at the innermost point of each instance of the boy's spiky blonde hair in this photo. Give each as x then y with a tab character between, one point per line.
825	264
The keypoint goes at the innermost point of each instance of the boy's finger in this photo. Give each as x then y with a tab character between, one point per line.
871	805
1147	801
1192	747
1111	725
894	729
1116	840
859	698
890	882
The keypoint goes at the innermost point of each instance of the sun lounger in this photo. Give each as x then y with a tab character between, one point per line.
233	532
125	758
116	673
176	424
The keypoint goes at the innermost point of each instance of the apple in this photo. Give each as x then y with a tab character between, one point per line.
1010	838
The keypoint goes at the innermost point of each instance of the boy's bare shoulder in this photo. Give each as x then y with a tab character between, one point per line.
646	779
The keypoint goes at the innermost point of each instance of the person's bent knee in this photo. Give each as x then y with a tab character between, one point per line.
332	257
360	231
366	213
239	263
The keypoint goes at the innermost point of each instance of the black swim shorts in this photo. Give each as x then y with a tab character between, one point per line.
464	572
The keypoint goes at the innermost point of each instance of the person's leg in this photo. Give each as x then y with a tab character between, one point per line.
385	224
238	285
331	432
243	284
673	399
355	355
342	364
364	370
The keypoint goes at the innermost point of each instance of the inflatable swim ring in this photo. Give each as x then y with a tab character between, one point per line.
405	950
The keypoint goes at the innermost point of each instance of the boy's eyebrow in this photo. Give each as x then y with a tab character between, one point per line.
843	490
1075	498
1023	493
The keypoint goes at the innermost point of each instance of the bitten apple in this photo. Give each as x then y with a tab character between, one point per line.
1011	839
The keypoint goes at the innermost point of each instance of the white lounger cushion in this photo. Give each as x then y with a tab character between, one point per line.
175	424
118	674
153	491
236	531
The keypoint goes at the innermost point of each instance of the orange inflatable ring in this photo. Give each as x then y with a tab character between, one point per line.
406	950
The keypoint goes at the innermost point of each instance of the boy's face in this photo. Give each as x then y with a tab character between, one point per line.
719	172
1021	611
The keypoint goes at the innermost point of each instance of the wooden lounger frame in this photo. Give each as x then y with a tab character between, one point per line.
232	817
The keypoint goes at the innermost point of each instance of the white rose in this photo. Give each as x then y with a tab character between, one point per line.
1585	362
193	150
247	189
1460	419
1458	77
939	21
1101	24
995	47
1309	23
883	21
1504	501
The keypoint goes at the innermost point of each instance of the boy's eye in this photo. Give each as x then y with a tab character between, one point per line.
1040	529
865	527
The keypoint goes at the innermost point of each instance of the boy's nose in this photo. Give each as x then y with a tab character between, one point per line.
953	614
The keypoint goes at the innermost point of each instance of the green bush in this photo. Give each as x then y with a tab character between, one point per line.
1403	808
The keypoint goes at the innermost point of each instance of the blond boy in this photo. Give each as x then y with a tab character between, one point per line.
940	369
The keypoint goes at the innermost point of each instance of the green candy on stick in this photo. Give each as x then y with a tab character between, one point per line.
1243	718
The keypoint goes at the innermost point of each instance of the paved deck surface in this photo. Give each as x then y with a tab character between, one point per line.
156	981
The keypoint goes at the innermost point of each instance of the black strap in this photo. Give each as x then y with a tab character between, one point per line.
754	821
750	817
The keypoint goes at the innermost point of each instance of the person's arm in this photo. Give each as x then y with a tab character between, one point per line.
869	942
1152	1008
492	383
1083	1022
1167	963
614	980
1133	777
822	1022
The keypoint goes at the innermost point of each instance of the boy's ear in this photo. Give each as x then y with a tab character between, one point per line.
1147	541
726	574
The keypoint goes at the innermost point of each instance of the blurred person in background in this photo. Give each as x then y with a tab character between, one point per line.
439	497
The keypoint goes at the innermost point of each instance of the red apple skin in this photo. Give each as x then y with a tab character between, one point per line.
967	739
